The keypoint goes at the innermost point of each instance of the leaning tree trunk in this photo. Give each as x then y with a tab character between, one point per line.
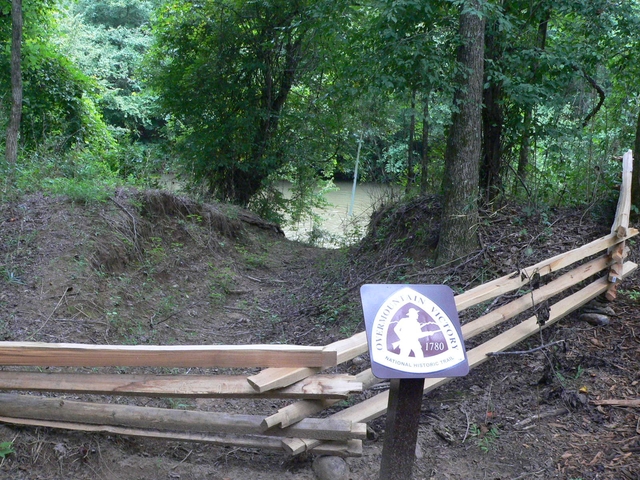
13	129
458	232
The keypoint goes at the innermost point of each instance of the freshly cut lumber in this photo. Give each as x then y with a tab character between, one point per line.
521	278
345	349
351	347
273	378
530	326
615	271
620	225
247	441
213	386
357	344
535	297
377	405
350	448
620	402
368	379
59	409
623	210
297	411
206	356
296	446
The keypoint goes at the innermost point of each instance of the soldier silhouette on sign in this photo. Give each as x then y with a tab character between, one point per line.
409	332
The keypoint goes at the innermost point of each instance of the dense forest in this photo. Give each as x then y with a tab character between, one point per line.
479	101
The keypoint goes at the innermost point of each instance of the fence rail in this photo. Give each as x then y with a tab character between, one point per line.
292	372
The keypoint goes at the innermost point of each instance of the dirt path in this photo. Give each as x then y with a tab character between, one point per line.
157	269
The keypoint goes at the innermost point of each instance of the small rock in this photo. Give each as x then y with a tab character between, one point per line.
331	468
596	319
358	360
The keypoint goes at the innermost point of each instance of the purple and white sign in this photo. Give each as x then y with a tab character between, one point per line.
413	331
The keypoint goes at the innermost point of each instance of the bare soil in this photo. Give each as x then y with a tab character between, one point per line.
155	268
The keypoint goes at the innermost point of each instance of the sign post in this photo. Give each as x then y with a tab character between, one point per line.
401	431
413	333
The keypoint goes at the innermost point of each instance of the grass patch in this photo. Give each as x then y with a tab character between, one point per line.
221	282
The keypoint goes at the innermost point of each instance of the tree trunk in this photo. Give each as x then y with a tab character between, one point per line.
635	176
240	184
460	183
13	130
425	147
525	142
410	154
492	119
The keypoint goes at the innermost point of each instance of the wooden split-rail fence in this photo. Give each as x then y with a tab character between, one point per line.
292	372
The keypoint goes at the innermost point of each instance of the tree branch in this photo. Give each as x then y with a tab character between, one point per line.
601	94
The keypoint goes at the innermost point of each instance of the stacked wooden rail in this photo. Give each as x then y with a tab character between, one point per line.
292	372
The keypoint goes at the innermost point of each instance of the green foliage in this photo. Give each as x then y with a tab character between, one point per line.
632	295
116	13
567	381
6	448
252	259
207	65
225	72
82	174
10	276
485	437
247	94
221	283
179	403
138	163
571	142
107	40
53	87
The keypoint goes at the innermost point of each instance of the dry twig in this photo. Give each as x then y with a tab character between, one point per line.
68	289
524	352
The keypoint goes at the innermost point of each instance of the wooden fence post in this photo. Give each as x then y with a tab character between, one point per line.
620	227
